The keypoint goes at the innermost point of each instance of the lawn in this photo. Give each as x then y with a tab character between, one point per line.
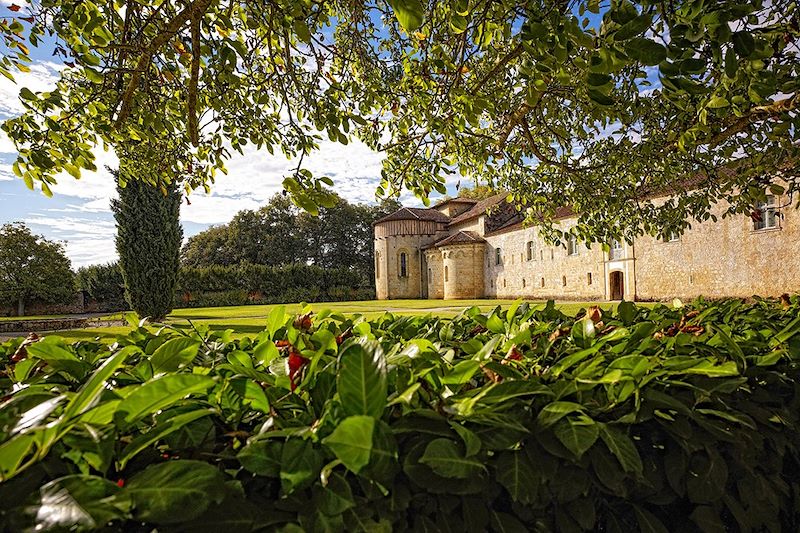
250	319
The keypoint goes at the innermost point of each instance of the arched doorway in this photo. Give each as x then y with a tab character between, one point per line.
616	285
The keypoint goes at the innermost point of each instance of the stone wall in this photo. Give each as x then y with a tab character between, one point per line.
435	273
549	273
723	258
463	274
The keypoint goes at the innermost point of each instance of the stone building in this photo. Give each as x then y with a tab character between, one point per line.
464	248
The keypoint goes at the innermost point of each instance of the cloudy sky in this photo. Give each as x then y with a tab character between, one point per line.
79	212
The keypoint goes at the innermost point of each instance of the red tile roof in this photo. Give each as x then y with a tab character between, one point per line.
457	200
415	213
480	208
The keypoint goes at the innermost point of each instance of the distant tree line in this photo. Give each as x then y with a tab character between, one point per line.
281	234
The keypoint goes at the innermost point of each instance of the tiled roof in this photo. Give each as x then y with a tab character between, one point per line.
519	221
462	237
415	213
480	208
457	200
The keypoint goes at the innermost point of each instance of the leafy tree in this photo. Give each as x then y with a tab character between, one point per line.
585	103
209	247
33	268
478	192
104	284
149	237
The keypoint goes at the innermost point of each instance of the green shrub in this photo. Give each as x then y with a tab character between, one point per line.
149	236
268	284
655	419
104	285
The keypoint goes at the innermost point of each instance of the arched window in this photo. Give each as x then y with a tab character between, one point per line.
564	281
529	249
446	273
588	278
403	265
377	265
497	256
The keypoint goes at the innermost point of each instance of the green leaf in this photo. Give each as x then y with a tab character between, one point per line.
79	502
300	464
175	491
577	434
161	430
646	51
362	382
351	441
743	43
517	473
158	394
495	324
555	411
409	13
444	457
262	458
461	373
634	27
174	354
96	383
622	447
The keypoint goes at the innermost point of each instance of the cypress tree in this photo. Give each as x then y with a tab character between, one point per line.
149	237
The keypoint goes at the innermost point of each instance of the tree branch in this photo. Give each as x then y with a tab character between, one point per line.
192	10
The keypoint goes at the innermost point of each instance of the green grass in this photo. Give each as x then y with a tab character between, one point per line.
250	319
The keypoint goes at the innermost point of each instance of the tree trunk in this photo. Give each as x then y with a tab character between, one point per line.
21	306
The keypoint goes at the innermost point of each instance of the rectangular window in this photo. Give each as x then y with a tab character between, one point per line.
403	265
497	256
572	245
529	250
377	265
765	215
588	278
617	251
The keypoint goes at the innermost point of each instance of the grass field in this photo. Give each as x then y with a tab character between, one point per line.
250	319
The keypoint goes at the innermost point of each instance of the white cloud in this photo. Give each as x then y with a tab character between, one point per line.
86	241
42	77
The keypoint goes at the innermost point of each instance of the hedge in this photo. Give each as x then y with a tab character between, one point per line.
651	419
250	283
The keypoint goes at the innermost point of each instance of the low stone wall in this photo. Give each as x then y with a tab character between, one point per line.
54	324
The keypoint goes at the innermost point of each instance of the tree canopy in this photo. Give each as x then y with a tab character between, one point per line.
588	103
281	234
33	268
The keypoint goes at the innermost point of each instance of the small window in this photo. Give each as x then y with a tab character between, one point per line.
504	283
497	256
541	254
446	273
377	265
572	245
430	276
765	215
542	282
551	254
563	281
403	265
491	283
588	278
670	236
523	283
529	250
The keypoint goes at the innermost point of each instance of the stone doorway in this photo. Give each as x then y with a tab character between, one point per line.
616	285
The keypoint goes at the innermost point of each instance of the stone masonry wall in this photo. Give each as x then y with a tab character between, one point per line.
435	277
723	258
550	273
464	267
